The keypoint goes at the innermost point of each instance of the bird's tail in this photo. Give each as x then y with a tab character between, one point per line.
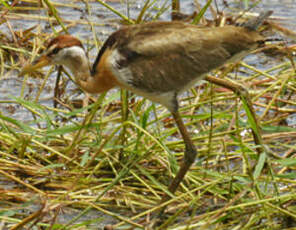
254	23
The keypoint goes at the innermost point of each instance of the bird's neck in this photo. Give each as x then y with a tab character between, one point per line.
96	83
91	84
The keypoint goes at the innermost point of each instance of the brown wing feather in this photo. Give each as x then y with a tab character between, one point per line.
170	56
164	56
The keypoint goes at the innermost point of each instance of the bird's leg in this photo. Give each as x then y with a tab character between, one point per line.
176	6
189	155
175	9
244	95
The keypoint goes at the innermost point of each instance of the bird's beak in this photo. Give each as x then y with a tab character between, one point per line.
37	64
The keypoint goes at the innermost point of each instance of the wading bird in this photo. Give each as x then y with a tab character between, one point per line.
156	60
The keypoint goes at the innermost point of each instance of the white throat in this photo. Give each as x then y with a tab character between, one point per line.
75	59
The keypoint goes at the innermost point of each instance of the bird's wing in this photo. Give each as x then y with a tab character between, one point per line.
166	56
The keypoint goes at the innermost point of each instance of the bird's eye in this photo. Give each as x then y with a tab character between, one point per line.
55	51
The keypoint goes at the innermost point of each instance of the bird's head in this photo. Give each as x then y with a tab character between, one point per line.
62	50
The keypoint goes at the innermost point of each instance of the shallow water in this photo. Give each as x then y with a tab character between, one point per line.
105	22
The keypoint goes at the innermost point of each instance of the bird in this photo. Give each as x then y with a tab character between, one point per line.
158	61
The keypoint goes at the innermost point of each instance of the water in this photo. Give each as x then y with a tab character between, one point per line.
105	22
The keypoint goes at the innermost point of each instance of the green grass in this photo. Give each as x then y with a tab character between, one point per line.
117	154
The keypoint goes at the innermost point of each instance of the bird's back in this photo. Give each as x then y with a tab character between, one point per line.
167	56
160	58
